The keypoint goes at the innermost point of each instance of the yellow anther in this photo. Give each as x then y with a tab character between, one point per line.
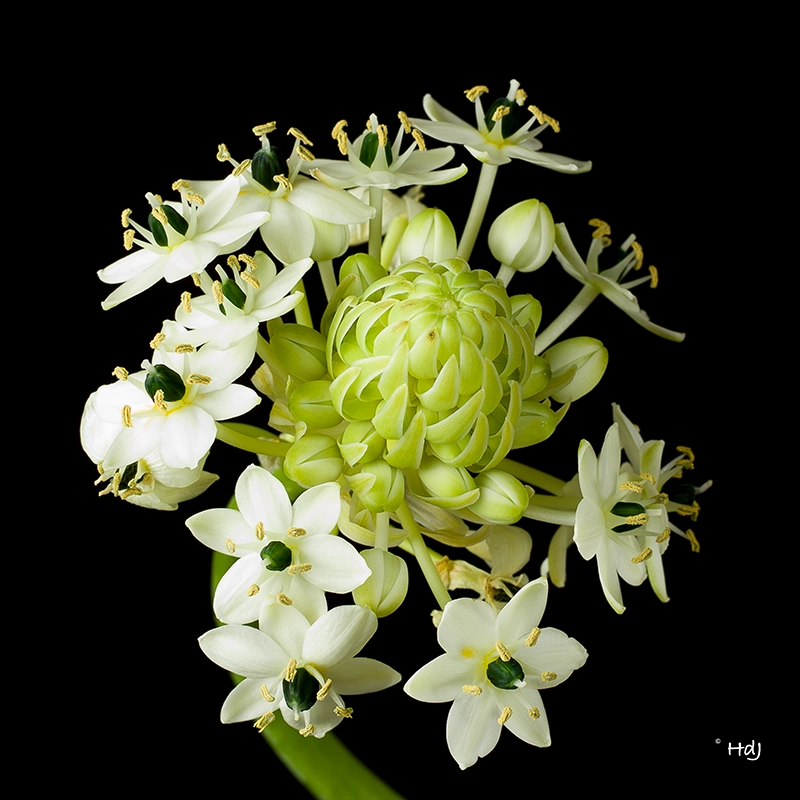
533	637
156	341
291	669
184	348
283	599
631	486
248	261
639	253
233	262
230	546
216	290
342	142
603	228
534	712
500	112
253	590
383	135
127	239
263	721
293	532
265	693
520	96
664	536
471	688
159	214
347	713
689	511
196	279
636	519
502	651
222	153
475	92
548	677
505	716
120	373
284	182
419	139
196	378
241	168
403	117
133	491
661	497
693	540
653	276
369	124
195	198
323	692
338	129
297	569
248	277
158	199
643	556
646	476
180	184
307	731
304	153
259	531
687	451
544	119
158	400
300	136
126	217
186	302
263	130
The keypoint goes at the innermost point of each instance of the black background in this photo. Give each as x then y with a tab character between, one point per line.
665	684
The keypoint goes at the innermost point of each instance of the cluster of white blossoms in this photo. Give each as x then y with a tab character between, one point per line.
390	421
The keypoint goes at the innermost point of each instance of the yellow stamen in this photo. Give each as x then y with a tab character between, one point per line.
126	215
159	214
265	693
241	168
534	712
475	92
342	142
338	129
653	276
693	540
253	590
687	451
196	378
347	713
133	491
259	531
248	277
156	341
502	651
471	688
603	228
127	239
120	373
631	486
263	130
293	532
158	400
126	417
369	125
233	262
186	302
639	253
297	569
263	721
248	261
300	136
643	556
184	348
307	731
304	153
195	198
664	536
505	716
283	599
547	677
636	519
500	112
222	153
323	692
216	290
689	511
180	184
284	182
520	96
646	476
419	139
196	279
533	637
403	117
291	669
544	119
230	546
383	135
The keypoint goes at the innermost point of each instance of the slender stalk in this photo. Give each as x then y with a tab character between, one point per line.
376	223
396	230
579	304
302	313
382	531
535	477
328	277
555	510
505	274
422	555
251	444
478	210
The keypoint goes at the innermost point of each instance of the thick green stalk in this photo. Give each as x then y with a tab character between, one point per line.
328	277
250	444
579	304
302	313
477	212
376	223
555	510
535	477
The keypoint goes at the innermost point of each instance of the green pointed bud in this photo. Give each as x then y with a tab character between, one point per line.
386	588
379	486
367	270
505	674
314	459
311	403
300	693
535	424
429	234
626	510
266	164
503	498
176	220
361	442
442	485
512	121
301	350
586	356
369	150
160	376
157	229
276	556
234	293
330	240
526	308
522	237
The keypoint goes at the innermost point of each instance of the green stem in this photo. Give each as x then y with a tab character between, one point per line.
555	510
376	223
392	239
251	444
422	555
505	274
478	210
579	304
328	277
302	313
535	477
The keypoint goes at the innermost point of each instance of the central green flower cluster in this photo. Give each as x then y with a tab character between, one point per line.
431	375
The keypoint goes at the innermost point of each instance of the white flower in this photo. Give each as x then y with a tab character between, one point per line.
492	670
299	667
286	553
608	282
190	235
373	161
499	135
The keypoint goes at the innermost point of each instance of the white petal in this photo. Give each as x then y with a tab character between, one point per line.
339	635
442	679
361	676
467	629
246	702
472	729
261	497
244	651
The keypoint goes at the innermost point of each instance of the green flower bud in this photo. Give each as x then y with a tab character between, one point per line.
330	240
578	365
379	486
535	424
366	269
522	237
386	588
313	459
429	234
160	376
276	556
503	498
311	403
301	350
505	674
442	485
361	442
300	693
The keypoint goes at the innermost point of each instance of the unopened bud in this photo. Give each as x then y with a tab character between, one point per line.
522	237
503	498
386	588
429	234
584	358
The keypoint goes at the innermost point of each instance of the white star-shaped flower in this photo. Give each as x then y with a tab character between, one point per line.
492	670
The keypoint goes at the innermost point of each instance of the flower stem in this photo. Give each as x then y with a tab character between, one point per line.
302	312
328	277
422	555
478	210
579	304
555	510
392	239
251	444
376	223
535	477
